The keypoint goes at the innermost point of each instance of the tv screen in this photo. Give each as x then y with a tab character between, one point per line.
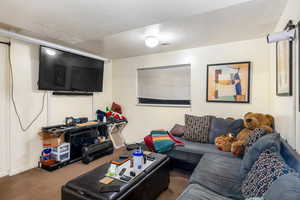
63	71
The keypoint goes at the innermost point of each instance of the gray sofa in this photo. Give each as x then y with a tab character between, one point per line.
216	174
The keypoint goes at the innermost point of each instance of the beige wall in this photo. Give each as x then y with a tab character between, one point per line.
285	109
4	112
143	119
25	147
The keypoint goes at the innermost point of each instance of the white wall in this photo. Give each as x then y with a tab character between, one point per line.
4	111
26	146
285	109
143	119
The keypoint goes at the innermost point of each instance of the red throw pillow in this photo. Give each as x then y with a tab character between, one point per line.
116	108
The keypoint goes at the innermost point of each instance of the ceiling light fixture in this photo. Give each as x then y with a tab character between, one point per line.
50	52
151	41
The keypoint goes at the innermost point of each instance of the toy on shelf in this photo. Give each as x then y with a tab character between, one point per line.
110	114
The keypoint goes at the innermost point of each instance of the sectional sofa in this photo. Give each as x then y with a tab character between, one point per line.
216	174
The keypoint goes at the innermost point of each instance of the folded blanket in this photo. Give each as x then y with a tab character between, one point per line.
162	142
177	141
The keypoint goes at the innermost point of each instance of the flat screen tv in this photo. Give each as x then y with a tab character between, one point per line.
63	71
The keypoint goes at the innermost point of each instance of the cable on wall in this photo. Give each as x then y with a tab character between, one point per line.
23	127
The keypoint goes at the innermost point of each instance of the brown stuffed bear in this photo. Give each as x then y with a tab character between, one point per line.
251	121
223	143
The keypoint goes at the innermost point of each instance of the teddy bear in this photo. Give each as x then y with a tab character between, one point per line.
251	121
223	143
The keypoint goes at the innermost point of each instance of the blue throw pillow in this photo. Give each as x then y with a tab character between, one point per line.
286	187
266	142
220	126
269	167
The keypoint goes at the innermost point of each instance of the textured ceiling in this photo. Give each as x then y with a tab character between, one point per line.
117	28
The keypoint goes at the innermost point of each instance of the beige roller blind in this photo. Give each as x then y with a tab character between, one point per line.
165	85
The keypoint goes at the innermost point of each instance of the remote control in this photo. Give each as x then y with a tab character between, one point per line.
124	156
122	172
151	158
132	173
125	178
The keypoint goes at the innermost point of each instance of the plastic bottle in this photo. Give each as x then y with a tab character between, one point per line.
138	159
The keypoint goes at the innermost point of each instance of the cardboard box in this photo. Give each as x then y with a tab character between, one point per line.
51	140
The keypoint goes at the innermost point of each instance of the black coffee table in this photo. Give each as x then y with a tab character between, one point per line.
146	186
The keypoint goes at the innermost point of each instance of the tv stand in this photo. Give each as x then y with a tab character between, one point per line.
79	137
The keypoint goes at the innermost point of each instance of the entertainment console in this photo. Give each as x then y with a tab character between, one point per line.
82	141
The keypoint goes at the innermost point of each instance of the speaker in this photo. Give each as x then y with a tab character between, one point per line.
94	151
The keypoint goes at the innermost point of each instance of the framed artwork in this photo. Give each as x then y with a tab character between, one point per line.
284	68
228	82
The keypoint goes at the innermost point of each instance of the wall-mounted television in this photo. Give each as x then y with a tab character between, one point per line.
64	71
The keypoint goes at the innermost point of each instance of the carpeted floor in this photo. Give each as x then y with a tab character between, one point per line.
38	184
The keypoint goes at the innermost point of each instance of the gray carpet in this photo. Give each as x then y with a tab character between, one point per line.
38	184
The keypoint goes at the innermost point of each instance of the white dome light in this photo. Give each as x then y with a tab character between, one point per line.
151	41
50	52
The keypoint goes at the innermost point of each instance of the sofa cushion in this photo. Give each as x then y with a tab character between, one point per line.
266	142
197	128
177	130
263	173
200	148
197	192
219	174
286	187
220	126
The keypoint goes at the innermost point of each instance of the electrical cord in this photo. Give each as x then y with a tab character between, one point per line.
24	129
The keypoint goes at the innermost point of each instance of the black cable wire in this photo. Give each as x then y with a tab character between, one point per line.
13	97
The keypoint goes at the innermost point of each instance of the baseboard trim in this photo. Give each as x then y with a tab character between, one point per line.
19	170
3	173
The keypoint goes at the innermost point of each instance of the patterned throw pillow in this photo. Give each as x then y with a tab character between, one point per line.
264	171
254	136
197	128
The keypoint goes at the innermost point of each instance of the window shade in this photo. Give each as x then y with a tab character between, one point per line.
165	85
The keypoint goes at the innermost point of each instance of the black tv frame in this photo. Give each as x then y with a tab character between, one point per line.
68	92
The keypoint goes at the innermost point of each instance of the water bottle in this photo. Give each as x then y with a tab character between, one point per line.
138	158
